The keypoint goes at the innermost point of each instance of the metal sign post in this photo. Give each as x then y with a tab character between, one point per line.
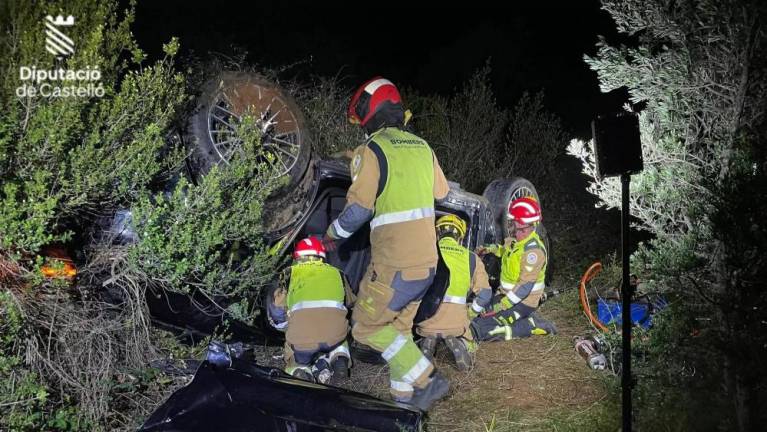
626	296
618	152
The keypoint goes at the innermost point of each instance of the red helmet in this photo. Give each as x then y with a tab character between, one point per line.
310	246
370	98
525	210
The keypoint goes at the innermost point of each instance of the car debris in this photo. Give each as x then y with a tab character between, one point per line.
247	397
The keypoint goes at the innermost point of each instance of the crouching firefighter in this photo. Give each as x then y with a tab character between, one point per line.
466	274
312	312
395	180
523	272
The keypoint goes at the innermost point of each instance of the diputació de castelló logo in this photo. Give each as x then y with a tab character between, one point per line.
56	42
59	81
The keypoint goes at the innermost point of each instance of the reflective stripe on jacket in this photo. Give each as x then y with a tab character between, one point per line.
457	259
406	185
315	284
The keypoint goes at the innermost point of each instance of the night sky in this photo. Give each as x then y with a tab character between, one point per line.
529	48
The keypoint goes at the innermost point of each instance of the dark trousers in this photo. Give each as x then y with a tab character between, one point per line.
503	326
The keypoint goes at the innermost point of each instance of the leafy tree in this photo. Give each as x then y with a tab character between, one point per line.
65	162
208	237
699	69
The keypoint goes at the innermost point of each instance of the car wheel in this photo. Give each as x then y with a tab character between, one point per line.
212	130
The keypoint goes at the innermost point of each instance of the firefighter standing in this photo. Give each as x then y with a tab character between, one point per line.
395	180
523	274
313	311
466	274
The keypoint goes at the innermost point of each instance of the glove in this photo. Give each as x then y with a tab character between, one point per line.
280	297
506	303
502	303
504	320
488	249
471	313
483	250
329	243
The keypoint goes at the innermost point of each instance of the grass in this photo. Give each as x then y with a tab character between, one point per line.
534	384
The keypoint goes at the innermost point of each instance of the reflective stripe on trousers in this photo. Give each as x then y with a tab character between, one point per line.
402	216
400	386
406	362
340	349
513	297
502	330
509	287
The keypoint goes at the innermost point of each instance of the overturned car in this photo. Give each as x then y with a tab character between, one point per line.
313	196
315	193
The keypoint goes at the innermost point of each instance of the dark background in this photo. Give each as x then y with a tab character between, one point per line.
432	50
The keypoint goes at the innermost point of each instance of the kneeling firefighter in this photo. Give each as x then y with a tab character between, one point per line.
313	312
523	272
466	274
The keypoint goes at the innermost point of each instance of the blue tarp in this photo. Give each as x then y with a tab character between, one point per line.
609	312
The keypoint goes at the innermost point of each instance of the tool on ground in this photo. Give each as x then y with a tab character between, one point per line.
586	348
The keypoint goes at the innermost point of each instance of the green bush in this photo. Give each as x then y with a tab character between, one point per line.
23	395
76	356
208	237
478	141
63	163
325	101
64	159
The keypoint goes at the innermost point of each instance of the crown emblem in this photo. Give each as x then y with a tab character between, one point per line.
61	21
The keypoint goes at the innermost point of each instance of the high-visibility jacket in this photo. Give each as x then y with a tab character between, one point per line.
457	259
315	284
314	305
467	273
523	270
407	170
395	179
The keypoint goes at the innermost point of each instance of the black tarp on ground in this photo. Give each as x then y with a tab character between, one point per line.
247	397
196	317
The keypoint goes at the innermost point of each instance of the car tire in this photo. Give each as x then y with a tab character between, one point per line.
210	130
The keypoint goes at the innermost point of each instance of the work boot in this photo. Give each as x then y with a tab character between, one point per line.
322	371
542	326
428	344
303	374
341	367
425	397
457	346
